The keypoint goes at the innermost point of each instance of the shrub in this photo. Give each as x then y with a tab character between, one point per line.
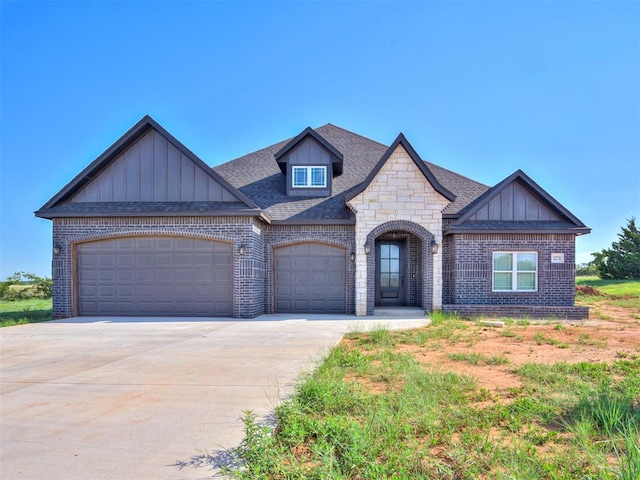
586	269
23	285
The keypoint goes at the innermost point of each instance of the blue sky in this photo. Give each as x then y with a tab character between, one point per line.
481	88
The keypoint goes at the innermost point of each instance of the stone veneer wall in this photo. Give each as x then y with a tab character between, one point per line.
248	282
467	273
281	235
399	192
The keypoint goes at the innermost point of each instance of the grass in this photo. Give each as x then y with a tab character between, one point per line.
612	287
543	339
477	359
19	312
619	294
371	411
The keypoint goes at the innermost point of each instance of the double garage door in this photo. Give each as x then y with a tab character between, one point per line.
309	278
179	276
170	276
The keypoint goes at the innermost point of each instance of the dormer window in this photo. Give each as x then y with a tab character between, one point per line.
309	177
309	163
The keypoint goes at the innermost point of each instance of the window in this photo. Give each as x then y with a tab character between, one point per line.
314	177
515	271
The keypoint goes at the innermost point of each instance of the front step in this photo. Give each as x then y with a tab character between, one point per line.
405	312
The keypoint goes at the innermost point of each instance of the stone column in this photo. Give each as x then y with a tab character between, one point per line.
361	273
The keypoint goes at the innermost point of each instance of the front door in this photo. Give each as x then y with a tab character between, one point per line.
390	273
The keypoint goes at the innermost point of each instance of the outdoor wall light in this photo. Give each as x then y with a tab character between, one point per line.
57	249
434	246
353	256
367	249
242	250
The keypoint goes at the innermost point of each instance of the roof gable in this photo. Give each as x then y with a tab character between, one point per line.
147	164
336	156
422	166
518	203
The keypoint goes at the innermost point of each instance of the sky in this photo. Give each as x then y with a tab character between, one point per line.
482	88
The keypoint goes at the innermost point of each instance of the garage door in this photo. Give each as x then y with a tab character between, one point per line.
169	276
309	278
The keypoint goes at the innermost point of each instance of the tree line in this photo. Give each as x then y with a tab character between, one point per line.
24	285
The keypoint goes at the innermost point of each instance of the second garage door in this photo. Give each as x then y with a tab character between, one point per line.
149	276
309	278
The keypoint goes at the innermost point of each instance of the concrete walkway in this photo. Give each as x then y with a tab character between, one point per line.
149	398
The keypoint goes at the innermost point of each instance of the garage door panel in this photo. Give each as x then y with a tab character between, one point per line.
301	291
335	277
301	306
144	260
282	263
309	278
123	245
125	260
126	291
144	244
88	291
106	260
155	276
164	244
106	276
300	263
203	276
335	263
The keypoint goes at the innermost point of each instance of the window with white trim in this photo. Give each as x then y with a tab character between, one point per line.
515	271
309	177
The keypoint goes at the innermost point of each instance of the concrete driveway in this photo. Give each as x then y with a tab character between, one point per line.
148	398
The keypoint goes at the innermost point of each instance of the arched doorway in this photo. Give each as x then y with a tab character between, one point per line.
399	266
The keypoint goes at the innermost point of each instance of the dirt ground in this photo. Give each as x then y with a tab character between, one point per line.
593	340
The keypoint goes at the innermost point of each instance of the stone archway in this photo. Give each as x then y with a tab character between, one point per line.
420	262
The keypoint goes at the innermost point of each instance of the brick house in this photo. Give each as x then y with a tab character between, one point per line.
326	222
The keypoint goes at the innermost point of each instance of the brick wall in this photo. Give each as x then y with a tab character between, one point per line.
467	274
248	283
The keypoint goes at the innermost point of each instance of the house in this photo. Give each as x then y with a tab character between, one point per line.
326	222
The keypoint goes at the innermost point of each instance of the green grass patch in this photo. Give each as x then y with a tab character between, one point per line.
477	359
612	287
542	339
371	412
19	312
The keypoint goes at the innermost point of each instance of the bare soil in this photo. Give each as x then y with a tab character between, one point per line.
593	340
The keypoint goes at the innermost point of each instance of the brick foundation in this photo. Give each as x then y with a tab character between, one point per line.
519	311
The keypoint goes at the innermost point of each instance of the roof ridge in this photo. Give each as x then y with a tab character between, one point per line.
352	133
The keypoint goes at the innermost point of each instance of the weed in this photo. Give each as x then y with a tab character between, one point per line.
586	339
543	339
477	359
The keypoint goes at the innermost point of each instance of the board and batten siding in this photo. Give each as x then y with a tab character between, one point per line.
308	153
153	170
515	203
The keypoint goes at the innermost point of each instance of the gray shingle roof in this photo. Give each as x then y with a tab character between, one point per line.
258	176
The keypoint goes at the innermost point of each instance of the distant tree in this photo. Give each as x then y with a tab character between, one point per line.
39	287
622	260
585	269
